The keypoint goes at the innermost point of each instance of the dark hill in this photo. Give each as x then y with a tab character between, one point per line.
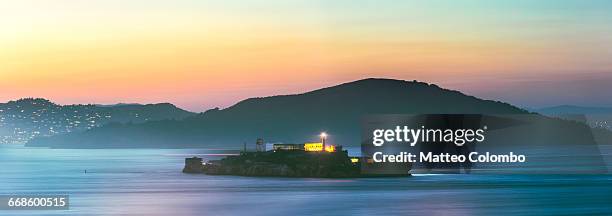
288	118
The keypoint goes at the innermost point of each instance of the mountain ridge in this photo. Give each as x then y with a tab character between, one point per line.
287	118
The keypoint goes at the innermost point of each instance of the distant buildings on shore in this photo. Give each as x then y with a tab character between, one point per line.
26	119
308	146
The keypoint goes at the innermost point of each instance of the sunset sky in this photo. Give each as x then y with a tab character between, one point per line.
201	54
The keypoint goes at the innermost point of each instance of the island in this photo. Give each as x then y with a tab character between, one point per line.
308	160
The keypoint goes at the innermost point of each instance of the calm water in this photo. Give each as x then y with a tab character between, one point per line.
149	182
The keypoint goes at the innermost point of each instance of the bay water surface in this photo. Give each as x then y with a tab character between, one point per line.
150	182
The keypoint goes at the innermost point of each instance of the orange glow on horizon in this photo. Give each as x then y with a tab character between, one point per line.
204	54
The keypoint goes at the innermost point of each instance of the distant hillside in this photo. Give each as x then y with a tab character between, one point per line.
117	105
569	109
596	117
29	118
288	118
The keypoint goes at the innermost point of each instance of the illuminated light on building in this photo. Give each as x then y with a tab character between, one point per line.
318	147
313	147
354	160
